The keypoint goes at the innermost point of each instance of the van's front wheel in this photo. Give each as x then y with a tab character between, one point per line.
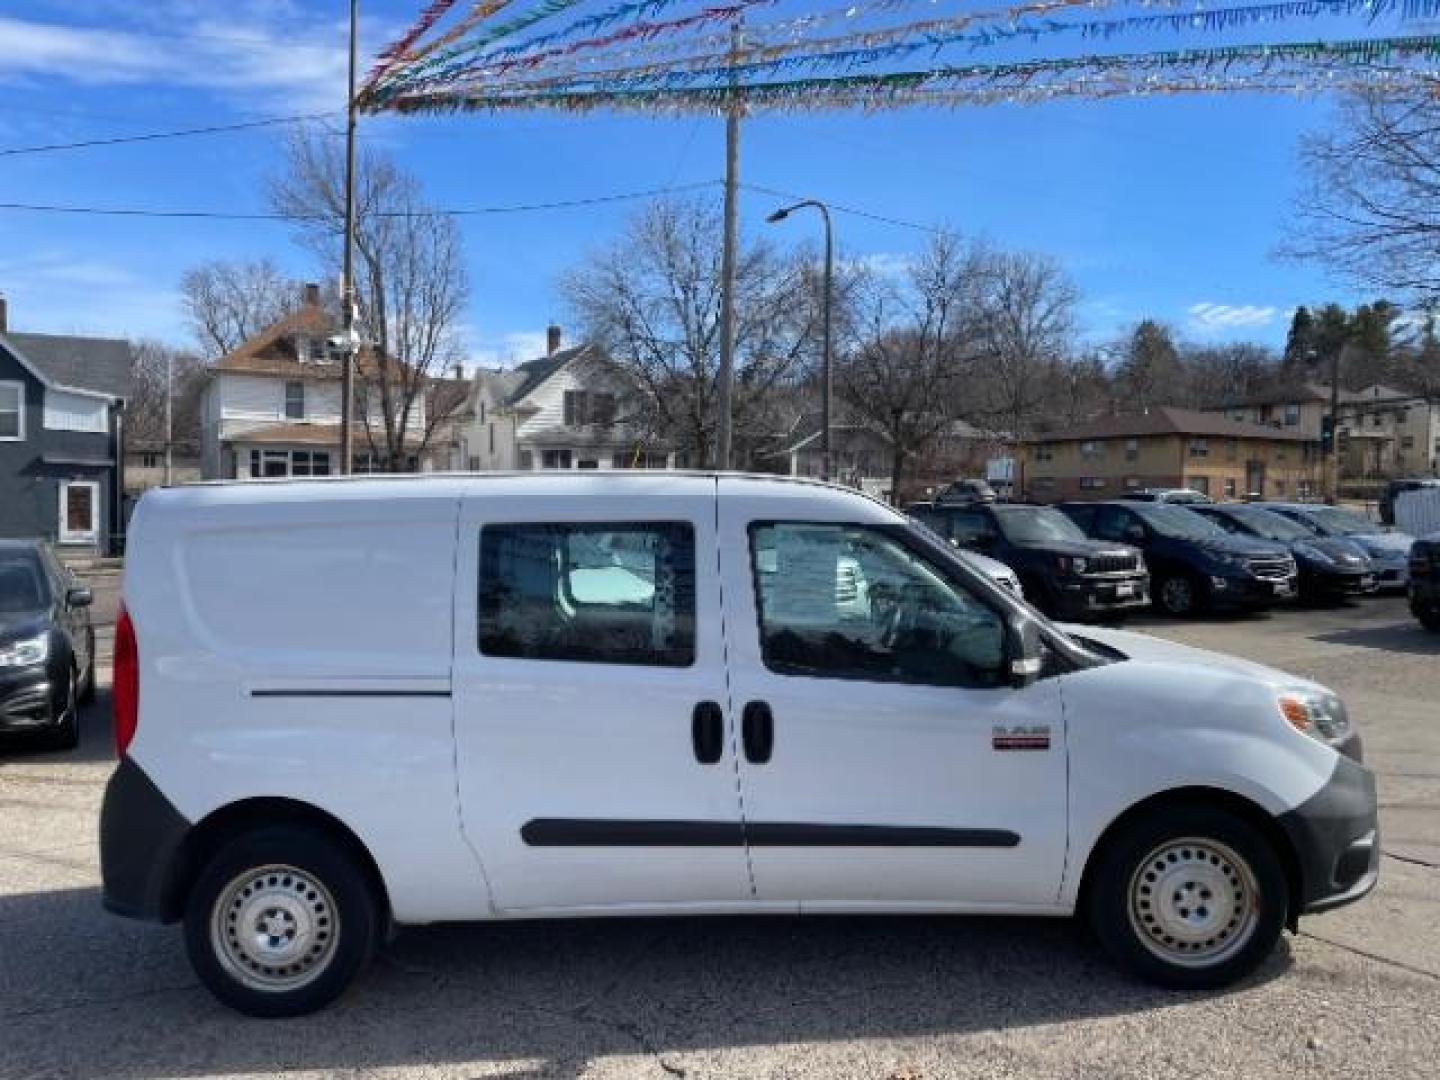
1191	898
279	922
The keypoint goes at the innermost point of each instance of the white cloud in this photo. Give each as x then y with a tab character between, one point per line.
1214	318
270	56
511	348
886	264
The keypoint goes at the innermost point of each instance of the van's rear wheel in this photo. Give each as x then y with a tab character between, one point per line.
279	922
1189	898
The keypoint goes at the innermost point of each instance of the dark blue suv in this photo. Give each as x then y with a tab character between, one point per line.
1194	564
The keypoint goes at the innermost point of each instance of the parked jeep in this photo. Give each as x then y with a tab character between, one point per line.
1064	573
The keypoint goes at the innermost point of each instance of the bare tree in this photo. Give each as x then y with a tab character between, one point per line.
652	302
230	302
145	409
1370	208
411	285
1020	333
904	377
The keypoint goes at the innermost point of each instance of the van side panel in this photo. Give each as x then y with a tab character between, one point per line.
302	650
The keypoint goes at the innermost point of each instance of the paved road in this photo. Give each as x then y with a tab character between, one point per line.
1356	995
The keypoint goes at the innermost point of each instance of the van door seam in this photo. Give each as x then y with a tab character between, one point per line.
730	695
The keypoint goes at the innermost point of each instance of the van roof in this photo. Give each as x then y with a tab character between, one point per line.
453	485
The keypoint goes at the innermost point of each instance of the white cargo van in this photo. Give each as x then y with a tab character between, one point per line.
342	705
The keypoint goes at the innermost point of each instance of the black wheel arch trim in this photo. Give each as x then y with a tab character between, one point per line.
142	839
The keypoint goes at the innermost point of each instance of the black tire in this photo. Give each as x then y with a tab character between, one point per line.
1178	594
352	915
66	734
1122	869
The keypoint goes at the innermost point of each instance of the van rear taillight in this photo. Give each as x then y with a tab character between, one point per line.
125	693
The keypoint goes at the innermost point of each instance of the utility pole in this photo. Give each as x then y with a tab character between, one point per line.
169	415
347	273
726	375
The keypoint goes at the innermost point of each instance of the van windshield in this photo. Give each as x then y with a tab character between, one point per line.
1336	522
1270	525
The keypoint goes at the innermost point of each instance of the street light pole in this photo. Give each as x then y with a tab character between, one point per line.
827	388
347	273
725	377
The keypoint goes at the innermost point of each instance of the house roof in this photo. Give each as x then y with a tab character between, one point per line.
1168	420
1300	393
99	365
534	372
272	351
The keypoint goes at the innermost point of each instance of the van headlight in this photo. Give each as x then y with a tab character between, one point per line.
1319	714
25	652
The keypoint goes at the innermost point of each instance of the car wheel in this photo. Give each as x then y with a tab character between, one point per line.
1177	595
66	733
1189	899
280	921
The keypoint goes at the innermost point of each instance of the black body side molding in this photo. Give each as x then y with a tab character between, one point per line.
591	832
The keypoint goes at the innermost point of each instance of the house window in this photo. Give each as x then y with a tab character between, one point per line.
1292	415
1132	449
1044	452
527	460
1408	442
278	463
1091	449
12	411
585	407
1199	483
474	464
1199	447
1230	487
1042	483
1376	420
1091	483
1132	482
1232	449
149	461
295	401
555	459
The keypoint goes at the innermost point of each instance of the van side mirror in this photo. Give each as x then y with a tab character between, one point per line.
79	596
1023	651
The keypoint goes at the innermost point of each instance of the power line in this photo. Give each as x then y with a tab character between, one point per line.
851	210
470	211
153	136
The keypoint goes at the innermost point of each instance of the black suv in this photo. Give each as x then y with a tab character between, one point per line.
47	645
1193	562
1063	572
1425	581
1330	566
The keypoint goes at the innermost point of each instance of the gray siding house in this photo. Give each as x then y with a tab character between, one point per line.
61	402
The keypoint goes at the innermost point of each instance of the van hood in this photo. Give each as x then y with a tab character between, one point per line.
1242	545
1145	648
1085	549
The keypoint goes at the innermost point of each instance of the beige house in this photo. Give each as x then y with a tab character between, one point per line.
1385	432
1170	448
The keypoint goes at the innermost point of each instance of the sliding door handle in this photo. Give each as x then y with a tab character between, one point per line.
707	732
758	731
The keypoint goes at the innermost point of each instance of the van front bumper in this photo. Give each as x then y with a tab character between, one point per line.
1336	836
142	837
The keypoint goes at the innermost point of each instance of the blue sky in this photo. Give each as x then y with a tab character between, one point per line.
1160	207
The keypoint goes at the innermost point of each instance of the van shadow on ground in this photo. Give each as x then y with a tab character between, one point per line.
82	993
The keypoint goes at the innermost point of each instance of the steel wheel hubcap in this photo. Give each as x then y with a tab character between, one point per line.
275	928
1177	594
1194	902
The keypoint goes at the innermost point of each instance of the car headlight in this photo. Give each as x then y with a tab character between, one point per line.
1071	565
1310	551
1317	713
1234	561
25	652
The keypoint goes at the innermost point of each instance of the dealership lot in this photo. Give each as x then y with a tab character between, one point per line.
1358	993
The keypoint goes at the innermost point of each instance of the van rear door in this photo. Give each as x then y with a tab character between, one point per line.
593	735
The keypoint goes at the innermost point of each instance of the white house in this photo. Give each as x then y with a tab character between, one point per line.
570	409
273	405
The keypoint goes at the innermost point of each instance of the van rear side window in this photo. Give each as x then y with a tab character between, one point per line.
596	593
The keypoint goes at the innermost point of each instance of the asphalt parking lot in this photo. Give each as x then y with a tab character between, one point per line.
1357	994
